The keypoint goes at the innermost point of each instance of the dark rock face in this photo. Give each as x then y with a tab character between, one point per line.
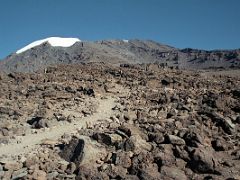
37	122
117	52
74	151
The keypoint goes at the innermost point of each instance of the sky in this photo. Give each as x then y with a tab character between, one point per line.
203	24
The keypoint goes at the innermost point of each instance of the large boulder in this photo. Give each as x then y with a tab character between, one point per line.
136	144
74	151
203	160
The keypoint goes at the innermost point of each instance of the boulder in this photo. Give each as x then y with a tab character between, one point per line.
74	151
203	160
108	139
164	155
122	159
172	173
38	122
136	144
13	166
149	172
39	175
175	140
156	137
20	174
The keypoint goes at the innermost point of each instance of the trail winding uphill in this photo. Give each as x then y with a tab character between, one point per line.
31	141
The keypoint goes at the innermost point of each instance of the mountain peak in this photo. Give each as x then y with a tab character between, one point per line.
53	41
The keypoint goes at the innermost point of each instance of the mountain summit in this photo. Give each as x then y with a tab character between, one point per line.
55	50
53	41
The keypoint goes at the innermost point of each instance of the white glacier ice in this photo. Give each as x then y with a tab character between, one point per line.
53	41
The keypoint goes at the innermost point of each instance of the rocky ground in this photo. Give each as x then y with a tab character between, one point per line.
96	121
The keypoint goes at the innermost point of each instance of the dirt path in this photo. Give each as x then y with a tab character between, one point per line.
31	141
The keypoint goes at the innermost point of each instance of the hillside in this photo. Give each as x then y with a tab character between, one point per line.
118	52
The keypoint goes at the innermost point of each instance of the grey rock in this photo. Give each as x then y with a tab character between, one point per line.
175	140
21	173
52	175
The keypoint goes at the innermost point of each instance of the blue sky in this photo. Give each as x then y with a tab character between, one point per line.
205	24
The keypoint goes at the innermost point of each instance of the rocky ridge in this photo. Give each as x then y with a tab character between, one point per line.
118	52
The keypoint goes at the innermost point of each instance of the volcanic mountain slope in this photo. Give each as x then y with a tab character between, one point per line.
97	121
50	52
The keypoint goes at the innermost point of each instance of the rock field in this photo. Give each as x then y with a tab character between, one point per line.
97	121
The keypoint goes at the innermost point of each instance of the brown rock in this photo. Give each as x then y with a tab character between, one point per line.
13	166
172	173
39	175
149	172
137	144
122	159
203	160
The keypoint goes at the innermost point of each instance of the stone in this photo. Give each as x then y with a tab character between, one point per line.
70	118
31	161
219	145
137	144
1	174
175	140
49	142
122	159
60	117
7	174
73	152
149	172
156	137
172	173
238	120
224	122
108	139
41	124
70	89
132	177
39	175
20	174
4	139
131	130
13	166
203	161
193	138
52	175
38	122
89	91
236	93
71	168
180	152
